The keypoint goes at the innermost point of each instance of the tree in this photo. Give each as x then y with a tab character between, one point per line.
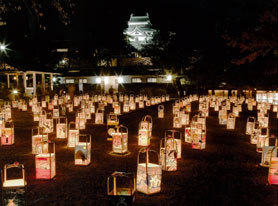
37	9
259	43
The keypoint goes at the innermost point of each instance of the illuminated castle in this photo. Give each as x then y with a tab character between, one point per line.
139	31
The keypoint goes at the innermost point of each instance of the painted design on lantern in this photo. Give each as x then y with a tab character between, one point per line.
143	139
273	171
48	126
61	131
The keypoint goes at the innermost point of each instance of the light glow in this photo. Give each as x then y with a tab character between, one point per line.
98	80
15	91
120	80
3	47
169	77
54	79
106	80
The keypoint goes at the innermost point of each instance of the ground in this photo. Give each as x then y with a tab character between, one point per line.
227	172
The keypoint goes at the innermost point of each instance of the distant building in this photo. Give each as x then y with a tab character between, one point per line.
139	31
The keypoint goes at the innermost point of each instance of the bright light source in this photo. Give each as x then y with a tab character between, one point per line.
106	80
98	80
15	91
63	61
120	80
54	79
169	77
14	78
2	47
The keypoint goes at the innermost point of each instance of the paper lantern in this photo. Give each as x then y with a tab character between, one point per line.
266	152
148	103
72	135
178	138
132	105
37	138
80	120
168	154
82	151
120	140
141	104
15	104
263	134
177	121
14	186
99	116
250	125
160	111
50	106
121	189
117	108
223	117
42	118
7	137
45	161
126	107
231	121
61	128
145	131
56	112
48	124
112	121
235	111
167	97
149	173
187	134
198	136
273	167
163	98
8	112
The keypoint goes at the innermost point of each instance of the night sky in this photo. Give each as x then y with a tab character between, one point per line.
198	24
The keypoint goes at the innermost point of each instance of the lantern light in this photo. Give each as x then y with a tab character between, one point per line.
15	91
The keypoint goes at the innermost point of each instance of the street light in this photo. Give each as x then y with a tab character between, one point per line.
120	80
169	77
98	80
3	47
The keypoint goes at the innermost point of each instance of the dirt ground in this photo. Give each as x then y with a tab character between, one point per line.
227	172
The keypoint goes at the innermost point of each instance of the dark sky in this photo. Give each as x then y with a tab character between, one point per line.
197	23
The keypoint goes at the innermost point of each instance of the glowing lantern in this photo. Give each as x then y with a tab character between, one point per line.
168	154
250	125
235	111
273	167
177	121
7	137
82	151
141	104
56	112
72	135
177	136
198	136
24	107
126	107
176	109
45	161
222	115
188	108
117	108
187	134
48	123
43	104
50	106
92	108
149	175
120	140
160	111
163	98
121	190
99	116
37	138
61	127
263	134
132	105
8	112
145	131
13	189
250	105
266	152
80	120
15	104
42	118
167	97
112	121
231	121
